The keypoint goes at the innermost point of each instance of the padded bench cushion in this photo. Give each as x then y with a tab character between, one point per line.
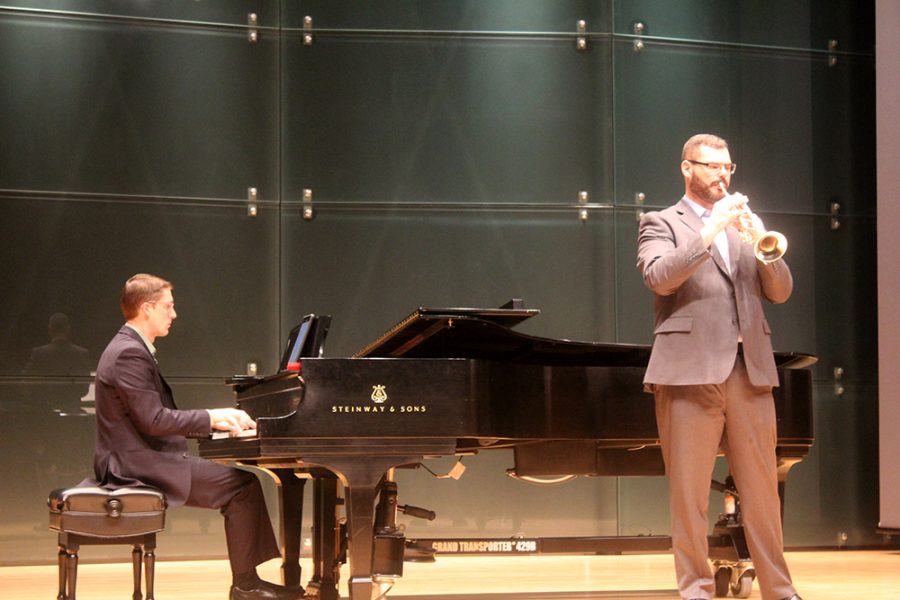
99	512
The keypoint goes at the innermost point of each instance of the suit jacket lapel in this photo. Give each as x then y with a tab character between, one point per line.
718	259
688	216
695	223
165	392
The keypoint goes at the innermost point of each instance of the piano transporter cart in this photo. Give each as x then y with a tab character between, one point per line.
460	382
728	550
729	553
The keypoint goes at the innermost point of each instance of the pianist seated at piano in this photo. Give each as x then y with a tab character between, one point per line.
142	439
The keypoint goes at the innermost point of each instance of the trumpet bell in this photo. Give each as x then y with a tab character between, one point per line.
770	246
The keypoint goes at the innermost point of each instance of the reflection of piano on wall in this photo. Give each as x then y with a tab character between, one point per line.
450	382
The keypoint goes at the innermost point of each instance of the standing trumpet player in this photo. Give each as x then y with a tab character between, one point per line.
711	368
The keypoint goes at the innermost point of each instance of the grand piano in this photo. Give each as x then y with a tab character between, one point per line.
451	382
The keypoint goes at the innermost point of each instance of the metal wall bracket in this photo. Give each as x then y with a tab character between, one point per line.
252	209
639	199
583	198
581	40
252	31
307	30
832	53
308	212
835	213
838	376
639	28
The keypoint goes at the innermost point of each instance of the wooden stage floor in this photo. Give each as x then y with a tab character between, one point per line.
831	575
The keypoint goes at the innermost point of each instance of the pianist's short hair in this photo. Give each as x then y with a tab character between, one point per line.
139	289
702	139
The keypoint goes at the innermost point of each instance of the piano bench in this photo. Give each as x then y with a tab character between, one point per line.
86	516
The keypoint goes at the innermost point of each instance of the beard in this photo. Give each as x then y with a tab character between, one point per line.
710	193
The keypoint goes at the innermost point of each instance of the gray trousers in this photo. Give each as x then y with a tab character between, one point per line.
694	422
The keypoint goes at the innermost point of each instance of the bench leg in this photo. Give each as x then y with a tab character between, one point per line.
149	566
62	574
136	571
71	572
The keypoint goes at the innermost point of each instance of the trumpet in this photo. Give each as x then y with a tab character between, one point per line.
768	246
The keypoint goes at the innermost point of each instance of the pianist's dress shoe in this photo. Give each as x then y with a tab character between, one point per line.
266	591
794	597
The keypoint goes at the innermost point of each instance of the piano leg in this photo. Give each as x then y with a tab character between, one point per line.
290	499
784	465
326	538
362	479
360	499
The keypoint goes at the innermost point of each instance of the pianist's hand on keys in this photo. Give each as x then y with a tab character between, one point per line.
230	419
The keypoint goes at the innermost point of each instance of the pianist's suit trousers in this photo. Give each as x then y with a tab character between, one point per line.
238	496
693	421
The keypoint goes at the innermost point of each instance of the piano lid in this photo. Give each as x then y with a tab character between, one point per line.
425	322
484	333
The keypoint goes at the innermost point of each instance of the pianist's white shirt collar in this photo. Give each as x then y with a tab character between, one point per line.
147	342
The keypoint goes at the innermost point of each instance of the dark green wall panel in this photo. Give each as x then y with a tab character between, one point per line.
136	109
804	24
505	16
74	256
219	12
400	119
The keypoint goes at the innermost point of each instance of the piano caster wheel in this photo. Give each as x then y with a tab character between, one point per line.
418	553
736	580
723	581
743	585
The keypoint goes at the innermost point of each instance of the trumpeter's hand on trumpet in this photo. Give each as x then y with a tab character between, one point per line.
748	225
725	211
768	246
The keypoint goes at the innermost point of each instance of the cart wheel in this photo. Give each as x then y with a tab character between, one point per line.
723	579
744	585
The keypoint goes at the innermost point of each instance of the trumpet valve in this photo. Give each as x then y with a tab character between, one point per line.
746	235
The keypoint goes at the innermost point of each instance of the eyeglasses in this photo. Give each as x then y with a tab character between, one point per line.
716	167
167	306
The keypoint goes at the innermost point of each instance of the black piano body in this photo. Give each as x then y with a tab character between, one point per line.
455	382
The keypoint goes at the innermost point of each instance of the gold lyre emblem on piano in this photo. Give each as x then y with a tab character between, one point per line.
379	394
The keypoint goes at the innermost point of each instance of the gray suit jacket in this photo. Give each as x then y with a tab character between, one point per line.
700	308
140	432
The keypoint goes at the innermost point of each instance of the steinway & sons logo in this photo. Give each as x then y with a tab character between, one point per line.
379	398
379	394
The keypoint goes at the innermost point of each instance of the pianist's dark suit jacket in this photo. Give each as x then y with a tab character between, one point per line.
140	434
